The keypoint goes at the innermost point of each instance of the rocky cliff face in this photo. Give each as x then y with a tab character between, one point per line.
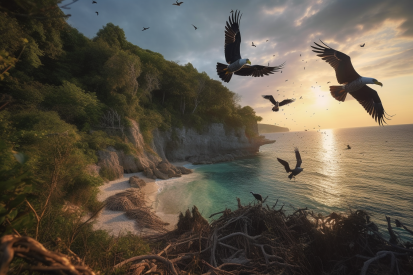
214	144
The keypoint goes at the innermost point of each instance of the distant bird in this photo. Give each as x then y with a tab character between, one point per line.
297	170
348	146
301	97
258	197
277	104
253	45
94	2
328	82
266	41
177	3
144	29
194	27
362	45
286	80
96	13
353	82
237	65
304	68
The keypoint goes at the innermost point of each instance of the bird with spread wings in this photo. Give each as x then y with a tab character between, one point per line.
353	83
297	170
236	64
277	104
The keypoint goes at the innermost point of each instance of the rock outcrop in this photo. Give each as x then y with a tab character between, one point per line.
215	144
136	182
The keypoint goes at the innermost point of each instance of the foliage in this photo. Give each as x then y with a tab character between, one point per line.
15	186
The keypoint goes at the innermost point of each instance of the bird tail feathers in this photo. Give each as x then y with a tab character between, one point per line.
222	72
338	93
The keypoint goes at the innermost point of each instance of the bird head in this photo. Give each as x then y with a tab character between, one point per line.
377	83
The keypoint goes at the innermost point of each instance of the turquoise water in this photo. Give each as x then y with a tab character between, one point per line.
375	175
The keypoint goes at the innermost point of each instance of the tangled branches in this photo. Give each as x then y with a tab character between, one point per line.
40	258
263	240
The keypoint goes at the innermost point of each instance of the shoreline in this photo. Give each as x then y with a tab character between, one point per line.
116	222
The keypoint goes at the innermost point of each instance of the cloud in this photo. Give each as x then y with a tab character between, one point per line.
290	26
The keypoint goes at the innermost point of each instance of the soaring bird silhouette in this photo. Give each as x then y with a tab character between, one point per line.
258	197
252	44
277	104
194	26
177	3
144	29
297	170
352	82
96	13
237	65
94	2
362	45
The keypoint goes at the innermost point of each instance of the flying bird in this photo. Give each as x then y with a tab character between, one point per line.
144	29
352	82
277	104
297	170
266	41
177	3
348	146
96	13
258	197
236	64
253	45
94	2
362	45
194	26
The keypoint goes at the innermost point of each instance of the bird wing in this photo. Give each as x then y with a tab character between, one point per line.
341	63
285	164
258	70
270	98
286	101
371	102
233	38
298	157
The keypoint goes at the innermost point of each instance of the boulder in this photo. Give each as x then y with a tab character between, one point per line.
184	170
136	182
160	175
149	173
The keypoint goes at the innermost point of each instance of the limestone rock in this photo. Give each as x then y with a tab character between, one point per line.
136	182
109	163
184	170
159	174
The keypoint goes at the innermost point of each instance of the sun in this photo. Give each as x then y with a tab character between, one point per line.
322	98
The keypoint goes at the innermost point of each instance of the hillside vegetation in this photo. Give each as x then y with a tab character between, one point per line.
64	96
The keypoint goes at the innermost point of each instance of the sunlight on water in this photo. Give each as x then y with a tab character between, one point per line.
374	175
329	192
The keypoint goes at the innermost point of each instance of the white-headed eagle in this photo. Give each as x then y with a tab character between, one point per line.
277	104
237	65
352	82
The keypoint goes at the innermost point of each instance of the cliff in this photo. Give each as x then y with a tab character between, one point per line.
268	128
214	144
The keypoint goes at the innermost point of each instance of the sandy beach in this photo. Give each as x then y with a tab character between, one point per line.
116	222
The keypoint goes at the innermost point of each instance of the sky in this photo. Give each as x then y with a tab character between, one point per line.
291	27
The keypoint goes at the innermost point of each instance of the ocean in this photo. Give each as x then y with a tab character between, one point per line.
375	175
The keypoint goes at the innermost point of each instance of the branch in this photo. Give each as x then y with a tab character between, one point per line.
165	261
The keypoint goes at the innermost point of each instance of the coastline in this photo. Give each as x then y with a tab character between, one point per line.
116	222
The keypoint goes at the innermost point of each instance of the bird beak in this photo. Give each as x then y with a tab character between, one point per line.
378	83
248	62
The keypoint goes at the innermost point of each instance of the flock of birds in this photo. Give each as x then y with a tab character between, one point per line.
351	81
